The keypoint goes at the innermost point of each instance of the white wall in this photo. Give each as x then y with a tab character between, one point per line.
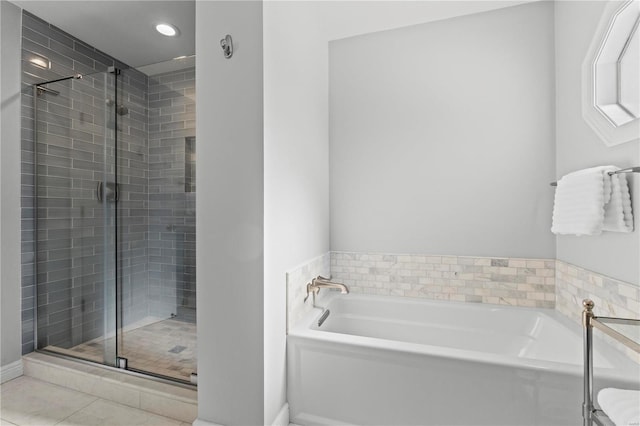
10	28
296	170
1	114
296	100
229	214
442	137
578	146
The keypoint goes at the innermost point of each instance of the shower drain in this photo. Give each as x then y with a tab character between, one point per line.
177	349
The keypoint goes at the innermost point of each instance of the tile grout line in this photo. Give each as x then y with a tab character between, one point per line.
8	422
80	409
95	398
107	401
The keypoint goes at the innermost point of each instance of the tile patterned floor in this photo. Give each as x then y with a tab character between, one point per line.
165	347
27	401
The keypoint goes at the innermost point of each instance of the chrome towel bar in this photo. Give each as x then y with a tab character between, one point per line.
627	170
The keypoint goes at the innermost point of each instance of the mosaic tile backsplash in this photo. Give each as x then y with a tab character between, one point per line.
612	298
506	281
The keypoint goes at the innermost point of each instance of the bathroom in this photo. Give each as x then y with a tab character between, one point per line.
312	141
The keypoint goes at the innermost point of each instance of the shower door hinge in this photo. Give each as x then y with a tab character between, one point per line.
194	378
113	70
121	362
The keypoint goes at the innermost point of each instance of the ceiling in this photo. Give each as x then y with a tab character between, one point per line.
123	29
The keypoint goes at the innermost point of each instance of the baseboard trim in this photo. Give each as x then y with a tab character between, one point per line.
11	371
200	422
282	419
310	419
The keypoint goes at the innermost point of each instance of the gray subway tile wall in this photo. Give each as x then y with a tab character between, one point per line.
133	153
72	223
172	286
55	295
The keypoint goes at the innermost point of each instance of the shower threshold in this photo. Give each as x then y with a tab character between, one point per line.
164	348
167	398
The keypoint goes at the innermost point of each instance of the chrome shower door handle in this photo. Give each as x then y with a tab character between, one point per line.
108	192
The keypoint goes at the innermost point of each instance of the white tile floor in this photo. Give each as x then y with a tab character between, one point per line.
28	401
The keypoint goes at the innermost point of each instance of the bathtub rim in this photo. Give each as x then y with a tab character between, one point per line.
304	331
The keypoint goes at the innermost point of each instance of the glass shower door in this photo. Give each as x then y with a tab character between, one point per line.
75	223
115	223
156	220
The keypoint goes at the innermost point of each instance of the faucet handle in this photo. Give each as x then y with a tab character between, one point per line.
311	289
308	292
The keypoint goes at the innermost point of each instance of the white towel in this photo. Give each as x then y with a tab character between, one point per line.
589	201
617	212
622	406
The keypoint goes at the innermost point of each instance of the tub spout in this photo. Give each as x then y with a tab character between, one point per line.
320	282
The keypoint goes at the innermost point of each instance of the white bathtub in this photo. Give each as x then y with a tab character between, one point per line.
397	361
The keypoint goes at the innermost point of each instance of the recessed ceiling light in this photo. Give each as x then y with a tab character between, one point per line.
167	30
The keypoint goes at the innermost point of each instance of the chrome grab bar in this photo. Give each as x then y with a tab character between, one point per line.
587	404
590	414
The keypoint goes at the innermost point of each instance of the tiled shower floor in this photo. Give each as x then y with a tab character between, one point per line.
166	347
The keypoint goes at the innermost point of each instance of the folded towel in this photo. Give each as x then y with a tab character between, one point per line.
579	202
622	406
589	201
617	212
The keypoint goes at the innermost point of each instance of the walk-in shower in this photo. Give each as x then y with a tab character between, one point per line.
115	218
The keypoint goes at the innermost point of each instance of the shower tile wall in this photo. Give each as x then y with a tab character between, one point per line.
70	148
133	213
171	238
